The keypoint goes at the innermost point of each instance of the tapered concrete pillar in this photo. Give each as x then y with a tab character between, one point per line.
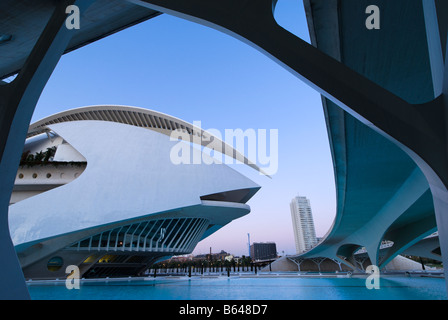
17	102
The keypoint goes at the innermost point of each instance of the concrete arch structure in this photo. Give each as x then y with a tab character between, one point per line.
372	174
415	131
426	248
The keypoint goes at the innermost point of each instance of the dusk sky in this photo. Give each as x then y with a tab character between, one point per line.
199	74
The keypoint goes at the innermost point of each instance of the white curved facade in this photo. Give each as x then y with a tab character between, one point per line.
122	203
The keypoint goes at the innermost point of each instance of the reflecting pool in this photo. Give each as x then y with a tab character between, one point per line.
245	288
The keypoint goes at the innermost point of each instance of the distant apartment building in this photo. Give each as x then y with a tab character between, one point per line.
303	224
263	250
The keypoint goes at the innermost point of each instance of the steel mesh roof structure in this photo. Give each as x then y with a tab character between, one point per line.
143	118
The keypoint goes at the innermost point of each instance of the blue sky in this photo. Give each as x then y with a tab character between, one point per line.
199	74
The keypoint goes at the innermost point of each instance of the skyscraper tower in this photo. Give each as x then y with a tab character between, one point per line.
303	224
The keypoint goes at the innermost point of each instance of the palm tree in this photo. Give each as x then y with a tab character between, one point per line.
49	154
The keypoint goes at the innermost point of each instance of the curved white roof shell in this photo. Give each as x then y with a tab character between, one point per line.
129	174
128	181
143	118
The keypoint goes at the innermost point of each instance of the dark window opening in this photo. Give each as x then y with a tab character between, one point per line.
240	196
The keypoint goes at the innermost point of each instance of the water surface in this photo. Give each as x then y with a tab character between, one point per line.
244	288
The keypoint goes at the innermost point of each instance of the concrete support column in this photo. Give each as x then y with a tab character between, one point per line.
17	102
436	18
349	262
434	45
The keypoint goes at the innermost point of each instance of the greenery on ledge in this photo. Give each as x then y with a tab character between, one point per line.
43	158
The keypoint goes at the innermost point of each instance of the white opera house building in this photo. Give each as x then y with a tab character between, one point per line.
96	189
